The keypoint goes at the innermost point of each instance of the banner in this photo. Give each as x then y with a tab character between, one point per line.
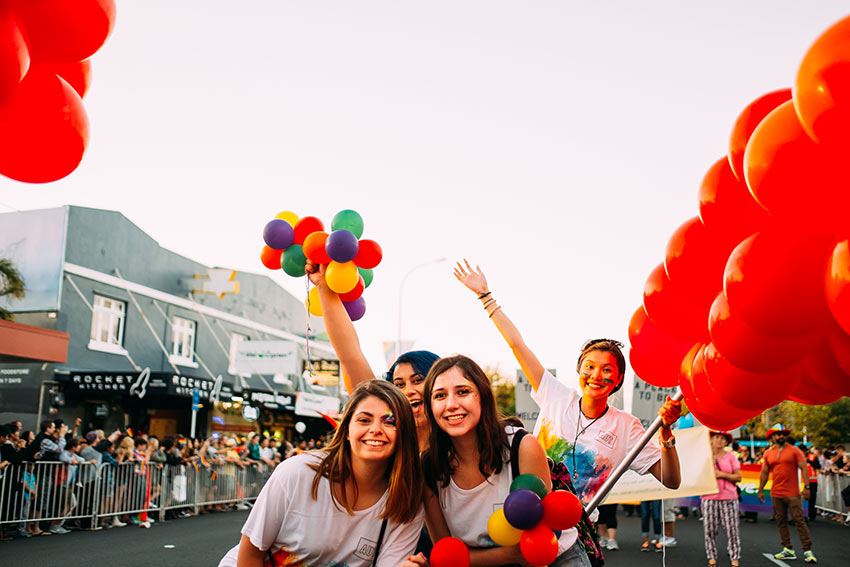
266	357
696	465
314	405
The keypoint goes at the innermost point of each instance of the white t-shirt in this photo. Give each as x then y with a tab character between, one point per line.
467	510
303	531
599	449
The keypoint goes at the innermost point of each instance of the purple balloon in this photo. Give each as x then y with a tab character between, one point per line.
356	309
523	509
278	234
342	246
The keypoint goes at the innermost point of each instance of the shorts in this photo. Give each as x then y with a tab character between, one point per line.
669	511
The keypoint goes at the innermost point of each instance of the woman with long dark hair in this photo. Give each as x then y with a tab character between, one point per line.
358	502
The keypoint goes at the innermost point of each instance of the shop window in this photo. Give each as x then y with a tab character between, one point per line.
183	342
107	325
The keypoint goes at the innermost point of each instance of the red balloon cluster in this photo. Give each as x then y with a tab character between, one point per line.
44	74
751	305
348	259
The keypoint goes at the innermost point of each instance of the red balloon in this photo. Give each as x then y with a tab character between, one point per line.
65	30
671	310
726	207
796	180
45	129
825	371
751	350
752	391
539	546
369	254
695	261
314	247
271	258
746	124
709	400
14	55
837	283
693	369
561	510
839	345
78	75
774	281
305	227
822	88
810	393
449	552
354	293
654	355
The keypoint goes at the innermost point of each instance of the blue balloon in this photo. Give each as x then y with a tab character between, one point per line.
278	234
342	246
523	509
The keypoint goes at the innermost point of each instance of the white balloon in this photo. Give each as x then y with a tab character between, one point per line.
300	427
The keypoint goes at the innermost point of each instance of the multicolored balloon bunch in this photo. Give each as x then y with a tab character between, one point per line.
349	259
751	305
44	74
534	518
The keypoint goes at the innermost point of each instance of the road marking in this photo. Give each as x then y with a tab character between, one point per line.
775	560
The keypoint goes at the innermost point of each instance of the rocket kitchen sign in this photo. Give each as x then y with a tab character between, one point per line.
140	384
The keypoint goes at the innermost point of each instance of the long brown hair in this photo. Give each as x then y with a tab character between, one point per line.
492	438
403	474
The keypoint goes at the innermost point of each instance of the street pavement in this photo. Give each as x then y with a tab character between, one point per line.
203	540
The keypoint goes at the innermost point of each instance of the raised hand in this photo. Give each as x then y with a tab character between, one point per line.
473	279
670	411
316	273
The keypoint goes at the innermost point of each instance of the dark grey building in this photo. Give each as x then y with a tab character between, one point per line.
145	338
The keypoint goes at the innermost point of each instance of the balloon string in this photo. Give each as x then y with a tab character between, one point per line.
309	328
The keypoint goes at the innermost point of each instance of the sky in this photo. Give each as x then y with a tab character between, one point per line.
557	144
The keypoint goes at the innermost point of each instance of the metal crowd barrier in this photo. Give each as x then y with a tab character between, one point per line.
829	497
53	491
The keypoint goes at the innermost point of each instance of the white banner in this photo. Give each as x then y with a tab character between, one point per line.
312	405
696	465
266	357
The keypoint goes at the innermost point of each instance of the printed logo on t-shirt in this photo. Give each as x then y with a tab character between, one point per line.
607	438
365	548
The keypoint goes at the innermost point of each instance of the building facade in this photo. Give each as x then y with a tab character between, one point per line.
157	341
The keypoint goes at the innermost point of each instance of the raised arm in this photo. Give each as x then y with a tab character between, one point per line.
477	283
355	368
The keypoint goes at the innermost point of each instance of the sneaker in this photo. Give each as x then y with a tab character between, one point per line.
58	530
243	506
603	542
669	541
786	553
809	557
645	545
116	523
24	534
658	546
144	524
612	545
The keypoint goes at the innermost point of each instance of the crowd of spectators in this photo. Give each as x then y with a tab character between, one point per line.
85	452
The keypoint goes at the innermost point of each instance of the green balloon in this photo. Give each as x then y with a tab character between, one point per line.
530	482
367	276
293	261
348	220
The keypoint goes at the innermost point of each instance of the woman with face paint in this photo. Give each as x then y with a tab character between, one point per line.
579	430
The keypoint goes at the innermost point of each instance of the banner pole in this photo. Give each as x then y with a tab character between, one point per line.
627	461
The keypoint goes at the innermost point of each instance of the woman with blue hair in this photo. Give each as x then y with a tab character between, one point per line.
408	372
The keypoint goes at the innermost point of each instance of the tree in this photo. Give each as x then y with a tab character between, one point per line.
503	390
822	425
11	284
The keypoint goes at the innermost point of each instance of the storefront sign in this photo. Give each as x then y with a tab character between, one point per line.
267	399
266	357
313	405
324	372
250	413
139	384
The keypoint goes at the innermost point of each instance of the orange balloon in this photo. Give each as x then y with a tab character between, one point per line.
314	247
271	258
798	181
822	88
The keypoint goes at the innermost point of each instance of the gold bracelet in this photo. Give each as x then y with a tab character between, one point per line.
493	311
488	302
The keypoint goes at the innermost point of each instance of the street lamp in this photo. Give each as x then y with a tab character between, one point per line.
400	297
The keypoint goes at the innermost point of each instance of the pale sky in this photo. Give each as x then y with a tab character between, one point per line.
557	144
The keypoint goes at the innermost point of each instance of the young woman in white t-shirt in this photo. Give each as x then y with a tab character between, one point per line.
579	429
467	465
327	507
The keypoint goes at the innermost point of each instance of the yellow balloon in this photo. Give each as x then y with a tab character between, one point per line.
501	531
312	303
289	217
341	277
